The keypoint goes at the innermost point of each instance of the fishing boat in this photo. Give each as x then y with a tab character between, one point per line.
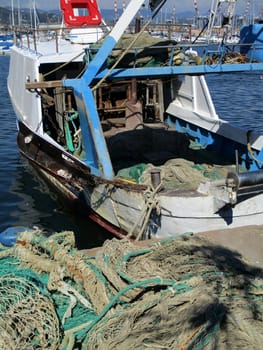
251	38
125	127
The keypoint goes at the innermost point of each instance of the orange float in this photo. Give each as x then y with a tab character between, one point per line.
71	14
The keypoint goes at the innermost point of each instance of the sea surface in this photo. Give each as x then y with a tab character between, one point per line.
27	201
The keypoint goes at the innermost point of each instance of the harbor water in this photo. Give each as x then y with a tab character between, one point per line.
25	200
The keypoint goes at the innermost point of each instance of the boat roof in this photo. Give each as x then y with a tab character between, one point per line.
49	52
67	51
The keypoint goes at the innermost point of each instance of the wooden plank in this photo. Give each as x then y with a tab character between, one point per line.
43	84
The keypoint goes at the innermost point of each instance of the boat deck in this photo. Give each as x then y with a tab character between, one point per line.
48	52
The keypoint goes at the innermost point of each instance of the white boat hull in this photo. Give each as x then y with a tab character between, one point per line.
124	210
178	214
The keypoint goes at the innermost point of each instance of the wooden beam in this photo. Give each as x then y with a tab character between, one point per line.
43	84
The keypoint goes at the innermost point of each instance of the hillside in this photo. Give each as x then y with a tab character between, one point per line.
26	15
54	16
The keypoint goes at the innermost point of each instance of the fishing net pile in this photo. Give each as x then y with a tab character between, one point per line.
183	293
176	173
145	50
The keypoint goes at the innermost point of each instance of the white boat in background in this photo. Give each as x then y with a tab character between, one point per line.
126	129
85	35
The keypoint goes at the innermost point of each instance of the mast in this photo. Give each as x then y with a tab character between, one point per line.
12	14
123	5
34	14
173	15
115	10
18	14
227	21
196	12
246	12
196	8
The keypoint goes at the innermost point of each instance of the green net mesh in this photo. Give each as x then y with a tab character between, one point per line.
184	293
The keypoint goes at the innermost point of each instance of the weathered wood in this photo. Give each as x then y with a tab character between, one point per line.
43	84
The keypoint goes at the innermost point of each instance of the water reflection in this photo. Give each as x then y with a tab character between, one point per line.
33	203
238	98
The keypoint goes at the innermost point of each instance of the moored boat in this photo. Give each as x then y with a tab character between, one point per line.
126	127
251	38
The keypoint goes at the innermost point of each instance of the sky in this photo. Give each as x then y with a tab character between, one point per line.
179	5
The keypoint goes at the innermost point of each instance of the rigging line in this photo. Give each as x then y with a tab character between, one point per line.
157	9
122	55
63	65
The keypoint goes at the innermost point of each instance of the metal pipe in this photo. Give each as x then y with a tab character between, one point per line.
155	177
250	178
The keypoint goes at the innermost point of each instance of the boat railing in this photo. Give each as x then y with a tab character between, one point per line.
211	57
175	54
30	38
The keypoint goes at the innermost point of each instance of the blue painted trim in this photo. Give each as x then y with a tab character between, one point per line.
99	60
202	136
218	144
251	38
108	45
176	70
97	156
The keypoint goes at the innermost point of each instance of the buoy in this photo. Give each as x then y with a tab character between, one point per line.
9	236
73	19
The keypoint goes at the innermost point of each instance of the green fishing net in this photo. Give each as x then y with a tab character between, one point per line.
183	293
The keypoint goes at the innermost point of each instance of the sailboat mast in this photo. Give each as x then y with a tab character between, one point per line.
18	13
12	13
34	14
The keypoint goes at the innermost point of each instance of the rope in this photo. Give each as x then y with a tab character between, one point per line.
140	284
122	55
151	203
250	151
62	65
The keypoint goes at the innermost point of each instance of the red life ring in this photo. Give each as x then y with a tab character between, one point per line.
72	19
